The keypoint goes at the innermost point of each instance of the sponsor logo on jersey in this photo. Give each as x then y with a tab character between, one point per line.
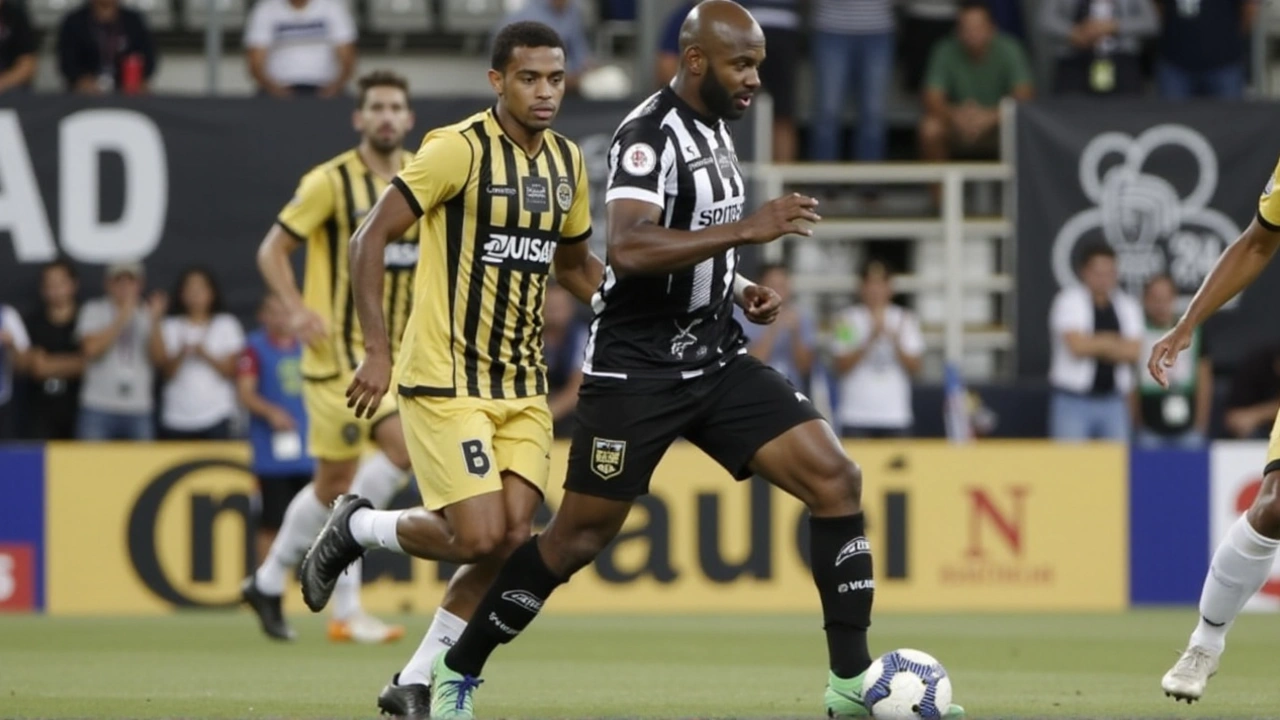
524	599
856	546
608	457
720	215
503	190
528	251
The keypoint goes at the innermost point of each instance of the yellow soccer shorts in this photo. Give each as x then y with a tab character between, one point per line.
333	430
461	446
1273	448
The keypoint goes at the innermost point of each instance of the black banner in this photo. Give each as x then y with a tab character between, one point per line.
183	181
1168	185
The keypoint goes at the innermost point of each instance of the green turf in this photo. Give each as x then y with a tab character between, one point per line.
215	665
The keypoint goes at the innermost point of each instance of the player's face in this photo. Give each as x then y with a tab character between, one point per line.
1158	301
197	294
57	287
733	77
385	118
532	87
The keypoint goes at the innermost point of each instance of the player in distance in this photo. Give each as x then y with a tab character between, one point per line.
503	202
666	359
1243	560
329	203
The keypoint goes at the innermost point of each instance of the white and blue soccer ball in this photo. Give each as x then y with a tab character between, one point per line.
907	685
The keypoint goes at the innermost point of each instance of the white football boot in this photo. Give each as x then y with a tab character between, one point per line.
1187	678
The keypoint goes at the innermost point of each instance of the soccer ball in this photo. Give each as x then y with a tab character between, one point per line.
907	685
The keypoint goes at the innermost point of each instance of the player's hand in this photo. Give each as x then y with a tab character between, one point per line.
1165	353
307	326
761	304
788	215
372	380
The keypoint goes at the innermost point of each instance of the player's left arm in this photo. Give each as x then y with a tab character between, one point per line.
576	268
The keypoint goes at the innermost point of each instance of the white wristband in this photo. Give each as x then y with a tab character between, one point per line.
740	285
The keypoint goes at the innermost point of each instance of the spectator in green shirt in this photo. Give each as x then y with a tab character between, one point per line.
969	74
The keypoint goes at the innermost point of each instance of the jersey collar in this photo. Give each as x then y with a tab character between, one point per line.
709	121
492	117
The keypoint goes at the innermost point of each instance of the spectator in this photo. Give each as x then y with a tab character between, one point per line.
1254	397
786	345
852	43
564	339
55	363
878	348
565	17
196	351
1177	416
1202	47
1100	43
17	47
781	22
103	47
969	74
668	60
269	384
1096	334
300	47
14	344
114	332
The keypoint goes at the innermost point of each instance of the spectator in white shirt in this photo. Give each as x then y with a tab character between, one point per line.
14	344
196	351
1096	335
114	331
878	348
301	47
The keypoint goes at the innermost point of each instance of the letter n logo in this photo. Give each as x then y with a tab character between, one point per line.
1006	516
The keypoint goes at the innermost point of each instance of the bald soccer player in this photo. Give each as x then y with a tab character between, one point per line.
666	359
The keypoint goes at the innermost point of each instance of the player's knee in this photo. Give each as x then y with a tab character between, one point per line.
479	543
836	487
516	536
567	553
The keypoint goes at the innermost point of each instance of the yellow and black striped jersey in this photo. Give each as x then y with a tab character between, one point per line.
328	206
492	218
1269	203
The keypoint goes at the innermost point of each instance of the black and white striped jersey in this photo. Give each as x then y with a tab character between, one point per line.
679	325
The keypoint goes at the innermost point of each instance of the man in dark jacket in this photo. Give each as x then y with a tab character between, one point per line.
105	48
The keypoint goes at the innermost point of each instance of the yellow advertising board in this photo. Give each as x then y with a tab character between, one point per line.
993	526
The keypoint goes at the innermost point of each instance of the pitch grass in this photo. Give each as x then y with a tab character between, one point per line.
216	665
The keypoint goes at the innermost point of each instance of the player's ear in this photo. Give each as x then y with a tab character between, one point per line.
495	81
413	118
357	121
695	60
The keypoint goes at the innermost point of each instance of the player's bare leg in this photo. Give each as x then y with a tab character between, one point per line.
1239	568
408	693
809	463
580	530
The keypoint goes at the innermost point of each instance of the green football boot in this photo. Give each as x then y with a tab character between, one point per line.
844	700
451	693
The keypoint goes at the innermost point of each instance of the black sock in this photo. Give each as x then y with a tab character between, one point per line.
512	602
841	559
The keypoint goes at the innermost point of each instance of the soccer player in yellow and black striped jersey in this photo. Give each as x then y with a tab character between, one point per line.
331	200
503	203
1242	563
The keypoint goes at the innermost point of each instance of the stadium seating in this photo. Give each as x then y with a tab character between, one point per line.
468	17
232	14
398	16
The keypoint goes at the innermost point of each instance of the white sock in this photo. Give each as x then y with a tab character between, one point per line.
1240	567
376	528
378	479
302	522
443	633
346	592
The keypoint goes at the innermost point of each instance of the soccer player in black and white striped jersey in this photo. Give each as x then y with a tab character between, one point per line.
666	359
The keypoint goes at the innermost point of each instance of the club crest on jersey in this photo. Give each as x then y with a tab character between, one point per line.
856	546
564	195
350	433
639	159
528	251
607	457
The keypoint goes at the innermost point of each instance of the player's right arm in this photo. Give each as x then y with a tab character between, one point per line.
642	161
1235	270
312	205
437	172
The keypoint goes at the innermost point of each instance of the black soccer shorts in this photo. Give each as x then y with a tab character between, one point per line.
274	495
620	436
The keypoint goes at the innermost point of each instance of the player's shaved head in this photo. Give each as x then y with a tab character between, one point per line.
721	48
719	24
